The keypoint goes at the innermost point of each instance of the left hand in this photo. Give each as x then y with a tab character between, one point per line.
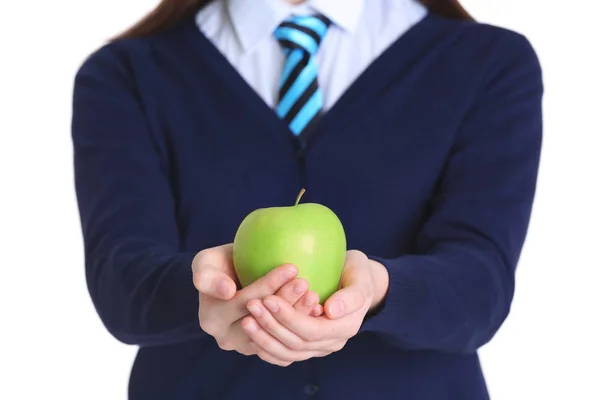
285	334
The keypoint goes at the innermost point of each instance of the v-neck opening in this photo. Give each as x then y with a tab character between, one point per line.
359	89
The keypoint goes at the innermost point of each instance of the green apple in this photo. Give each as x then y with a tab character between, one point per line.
309	236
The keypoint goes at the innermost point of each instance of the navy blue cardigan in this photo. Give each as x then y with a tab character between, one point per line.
429	159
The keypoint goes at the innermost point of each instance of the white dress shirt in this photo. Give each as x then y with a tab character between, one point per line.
361	30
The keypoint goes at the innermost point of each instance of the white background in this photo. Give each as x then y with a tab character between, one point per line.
52	344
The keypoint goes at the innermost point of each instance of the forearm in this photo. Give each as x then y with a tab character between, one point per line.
454	289
143	292
139	281
452	300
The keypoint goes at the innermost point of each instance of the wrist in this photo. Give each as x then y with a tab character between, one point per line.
381	281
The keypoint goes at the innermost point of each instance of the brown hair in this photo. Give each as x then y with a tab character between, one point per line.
170	12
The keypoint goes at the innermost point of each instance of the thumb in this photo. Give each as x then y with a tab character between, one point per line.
349	299
213	273
213	282
270	283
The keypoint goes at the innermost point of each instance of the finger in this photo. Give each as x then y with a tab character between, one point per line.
308	328
290	340
354	292
219	257
293	291
313	329
265	286
243	341
268	284
234	339
213	282
300	348
348	300
211	264
263	355
344	302
317	311
267	343
307	303
269	324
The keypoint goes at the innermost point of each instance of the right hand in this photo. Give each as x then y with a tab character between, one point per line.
222	306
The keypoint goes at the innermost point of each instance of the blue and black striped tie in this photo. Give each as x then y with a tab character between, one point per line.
300	99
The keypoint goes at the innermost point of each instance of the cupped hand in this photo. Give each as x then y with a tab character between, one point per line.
285	334
222	306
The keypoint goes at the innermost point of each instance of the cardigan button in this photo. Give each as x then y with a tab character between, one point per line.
311	389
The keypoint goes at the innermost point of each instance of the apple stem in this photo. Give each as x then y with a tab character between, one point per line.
300	196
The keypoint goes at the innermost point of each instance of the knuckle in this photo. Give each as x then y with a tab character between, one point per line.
296	345
272	360
198	278
354	330
225	343
264	344
263	356
284	318
202	281
286	294
356	254
272	284
198	260
300	309
246	351
339	346
351	253
204	253
282	363
209	326
247	320
267	324
286	289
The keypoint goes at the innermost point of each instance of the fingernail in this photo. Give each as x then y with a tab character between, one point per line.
337	309
255	310
223	287
288	274
251	328
271	305
300	287
317	310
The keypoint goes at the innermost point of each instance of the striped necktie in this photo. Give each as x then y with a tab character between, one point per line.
300	99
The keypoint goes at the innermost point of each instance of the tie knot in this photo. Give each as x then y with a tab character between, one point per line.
302	32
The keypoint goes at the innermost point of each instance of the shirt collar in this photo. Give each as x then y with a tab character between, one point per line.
343	13
257	19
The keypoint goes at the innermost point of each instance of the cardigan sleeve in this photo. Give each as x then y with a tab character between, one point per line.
139	281
455	291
